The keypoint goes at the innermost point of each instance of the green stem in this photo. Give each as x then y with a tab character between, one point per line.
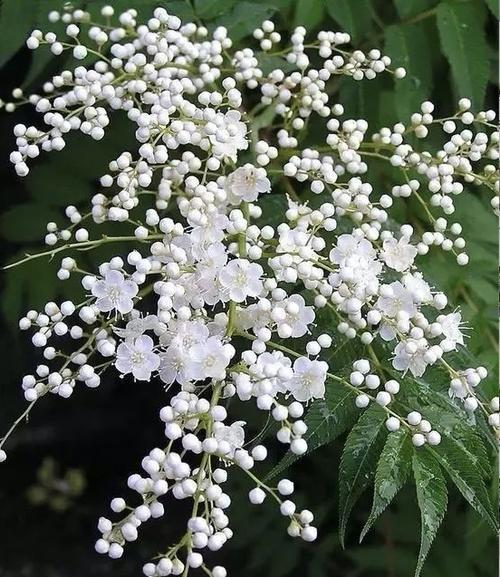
89	244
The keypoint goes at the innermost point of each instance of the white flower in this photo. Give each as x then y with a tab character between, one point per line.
349	245
398	255
450	325
185	334
400	300
180	337
114	292
298	315
309	378
173	365
411	355
252	316
207	272
230	136
241	279
209	359
387	331
137	357
212	230
246	183
137	327
233	435
418	287
459	389
273	364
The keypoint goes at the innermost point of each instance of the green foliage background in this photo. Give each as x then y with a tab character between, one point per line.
450	50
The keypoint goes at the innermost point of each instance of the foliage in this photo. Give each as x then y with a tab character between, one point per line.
441	44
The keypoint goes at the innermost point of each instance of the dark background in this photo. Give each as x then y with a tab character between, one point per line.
104	433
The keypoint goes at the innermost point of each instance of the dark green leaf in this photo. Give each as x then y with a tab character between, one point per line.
407	46
242	20
355	16
408	8
479	222
61	188
494	7
392	471
361	99
309	13
326	420
432	498
269	62
456	461
210	9
33	284
464	44
26	222
17	19
273	206
357	465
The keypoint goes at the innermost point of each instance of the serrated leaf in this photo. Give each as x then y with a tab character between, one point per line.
467	436
355	16
392	472
309	13
357	465
326	420
464	45
407	46
432	497
242	20
456	461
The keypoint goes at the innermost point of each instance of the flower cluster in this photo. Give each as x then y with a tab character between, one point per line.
212	302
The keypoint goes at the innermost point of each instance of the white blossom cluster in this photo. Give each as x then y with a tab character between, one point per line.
210	301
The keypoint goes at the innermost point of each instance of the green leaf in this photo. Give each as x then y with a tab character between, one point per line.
355	16
456	461
326	420
17	19
392	472
479	221
273	207
57	184
464	45
26	222
210	9
269	62
180	8
482	288
33	284
432	498
408	8
408	47
242	20
64	179
309	13
361	99
494	7
357	465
